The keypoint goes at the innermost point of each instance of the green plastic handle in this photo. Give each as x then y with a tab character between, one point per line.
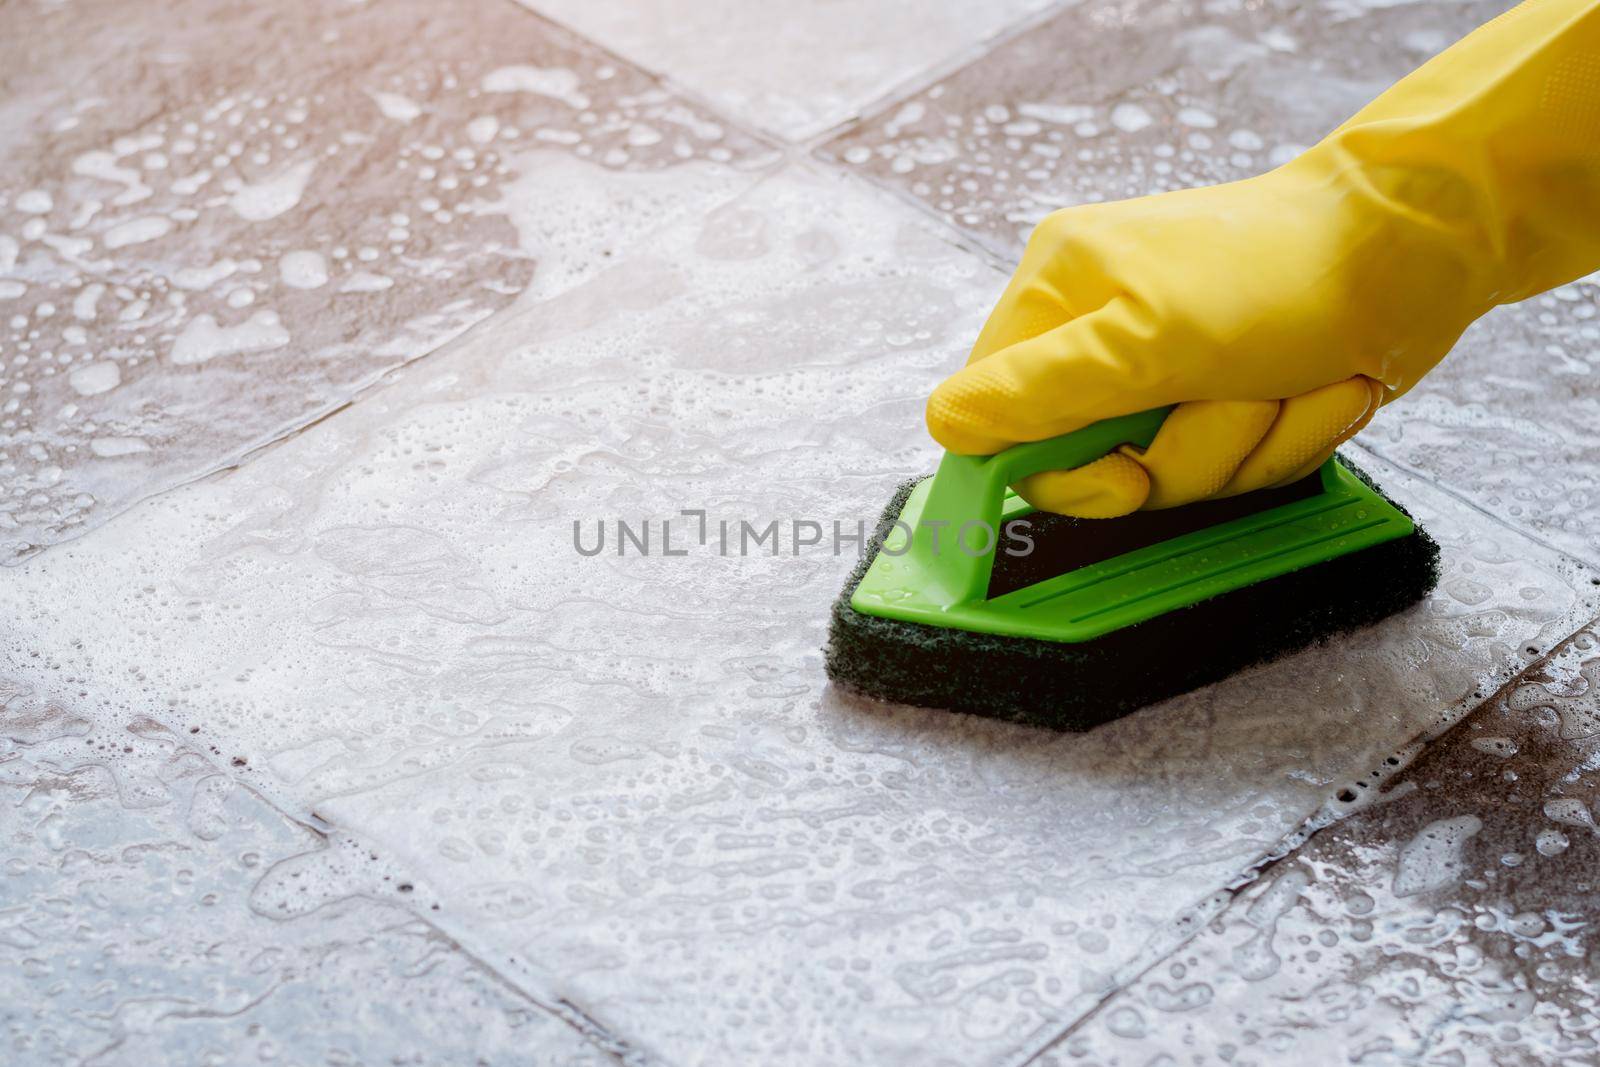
968	492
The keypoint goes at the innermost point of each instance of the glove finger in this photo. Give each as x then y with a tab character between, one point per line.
1112	485
1051	384
1038	298
1360	424
1376	393
1199	447
1307	429
1025	310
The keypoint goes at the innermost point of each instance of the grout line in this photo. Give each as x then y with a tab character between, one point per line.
1290	846
385	379
558	1008
1293	843
377	383
1460	496
920	81
593	1032
806	149
913	83
685	93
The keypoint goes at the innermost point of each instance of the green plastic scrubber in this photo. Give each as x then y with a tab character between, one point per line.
1104	616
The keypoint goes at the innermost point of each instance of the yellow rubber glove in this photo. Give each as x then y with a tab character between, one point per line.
1280	311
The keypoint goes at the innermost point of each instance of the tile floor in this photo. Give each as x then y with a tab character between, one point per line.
139	924
1104	101
313	710
1453	922
796	69
223	221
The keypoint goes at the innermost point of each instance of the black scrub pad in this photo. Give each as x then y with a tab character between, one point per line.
1076	686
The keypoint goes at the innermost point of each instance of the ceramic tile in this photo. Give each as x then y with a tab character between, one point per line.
1509	422
623	775
218	221
794	69
813	878
1449	922
135	930
1109	100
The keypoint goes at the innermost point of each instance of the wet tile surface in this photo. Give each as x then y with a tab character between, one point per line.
1511	421
1112	100
624	777
218	221
583	805
141	922
793	69
1450	921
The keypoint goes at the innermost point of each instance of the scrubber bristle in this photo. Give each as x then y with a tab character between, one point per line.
1076	686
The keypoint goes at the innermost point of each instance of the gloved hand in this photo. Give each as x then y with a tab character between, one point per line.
1279	312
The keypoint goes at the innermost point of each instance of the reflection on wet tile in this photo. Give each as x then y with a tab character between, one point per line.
217	222
1116	99
623	775
1450	921
133	931
1510	419
794	69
